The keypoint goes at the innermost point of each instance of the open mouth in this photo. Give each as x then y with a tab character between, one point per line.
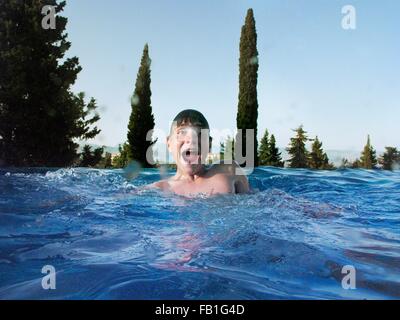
190	156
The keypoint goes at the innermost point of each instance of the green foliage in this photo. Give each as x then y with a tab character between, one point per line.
269	154
39	115
275	158
390	158
368	156
91	158
263	152
142	118
227	149
318	159
122	160
247	113
108	160
221	151
297	149
105	162
356	164
344	164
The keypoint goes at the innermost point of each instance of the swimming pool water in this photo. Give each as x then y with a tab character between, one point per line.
289	239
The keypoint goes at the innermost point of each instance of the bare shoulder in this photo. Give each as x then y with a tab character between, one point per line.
231	173
229	169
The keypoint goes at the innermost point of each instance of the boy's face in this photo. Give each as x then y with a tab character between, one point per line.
189	146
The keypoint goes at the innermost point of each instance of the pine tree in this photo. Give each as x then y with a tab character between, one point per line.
141	120
39	114
318	158
91	158
390	158
368	156
247	113
275	158
297	149
269	154
263	153
86	156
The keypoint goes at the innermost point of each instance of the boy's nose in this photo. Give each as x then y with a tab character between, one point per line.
188	139
191	136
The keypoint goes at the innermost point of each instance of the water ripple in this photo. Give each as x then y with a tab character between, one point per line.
110	239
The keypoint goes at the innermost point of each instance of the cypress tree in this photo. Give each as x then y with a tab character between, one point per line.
247	113
390	158
275	158
318	158
39	115
297	149
141	119
368	156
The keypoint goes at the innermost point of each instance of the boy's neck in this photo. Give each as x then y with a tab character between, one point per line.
189	177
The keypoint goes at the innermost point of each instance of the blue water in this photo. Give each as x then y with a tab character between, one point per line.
109	239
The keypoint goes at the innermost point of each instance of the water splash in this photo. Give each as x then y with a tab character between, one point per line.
289	238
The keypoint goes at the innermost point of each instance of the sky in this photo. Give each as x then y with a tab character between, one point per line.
339	84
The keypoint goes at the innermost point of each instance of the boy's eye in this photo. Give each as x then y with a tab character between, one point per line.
181	132
187	131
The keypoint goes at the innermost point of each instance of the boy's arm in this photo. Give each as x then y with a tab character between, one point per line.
235	175
162	184
241	183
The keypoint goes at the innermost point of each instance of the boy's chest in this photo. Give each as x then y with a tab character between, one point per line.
207	186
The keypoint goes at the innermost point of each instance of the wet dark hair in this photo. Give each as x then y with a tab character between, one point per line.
190	117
